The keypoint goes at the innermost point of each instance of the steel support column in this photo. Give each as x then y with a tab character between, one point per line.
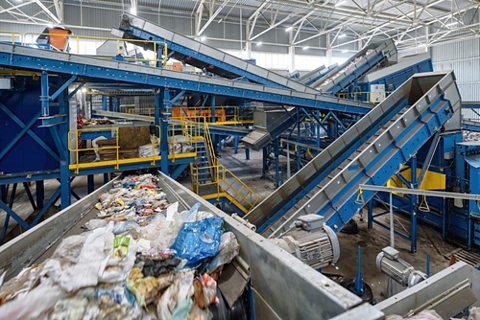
90	183
39	193
160	121
44	98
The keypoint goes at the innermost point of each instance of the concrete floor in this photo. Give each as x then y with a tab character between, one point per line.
370	241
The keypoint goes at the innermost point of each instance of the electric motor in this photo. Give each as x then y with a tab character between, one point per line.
389	262
312	241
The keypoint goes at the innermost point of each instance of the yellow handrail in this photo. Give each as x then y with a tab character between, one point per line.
76	39
75	135
220	173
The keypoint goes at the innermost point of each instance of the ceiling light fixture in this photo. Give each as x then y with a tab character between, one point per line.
203	38
305	48
259	43
340	3
133	10
341	36
289	29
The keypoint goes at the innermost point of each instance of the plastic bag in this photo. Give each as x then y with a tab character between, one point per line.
121	263
228	250
182	310
92	260
71	308
199	240
95	223
180	290
160	232
32	305
70	248
474	313
124	226
425	315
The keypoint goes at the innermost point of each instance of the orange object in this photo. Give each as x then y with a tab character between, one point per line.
193	114
177	66
59	38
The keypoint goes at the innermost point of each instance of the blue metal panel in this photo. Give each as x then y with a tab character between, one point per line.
159	80
396	79
24	105
345	201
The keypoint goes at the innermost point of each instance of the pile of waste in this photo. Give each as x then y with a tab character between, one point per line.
140	258
471	135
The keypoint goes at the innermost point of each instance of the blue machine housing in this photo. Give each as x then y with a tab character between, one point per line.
22	138
394	76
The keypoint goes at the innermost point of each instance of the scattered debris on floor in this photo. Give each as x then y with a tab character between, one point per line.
140	258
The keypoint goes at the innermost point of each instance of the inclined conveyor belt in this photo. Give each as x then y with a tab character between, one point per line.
203	56
370	152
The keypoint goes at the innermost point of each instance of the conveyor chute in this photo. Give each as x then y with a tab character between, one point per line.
203	56
357	66
370	152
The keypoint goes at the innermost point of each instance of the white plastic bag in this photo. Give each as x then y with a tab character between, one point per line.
228	250
91	262
33	304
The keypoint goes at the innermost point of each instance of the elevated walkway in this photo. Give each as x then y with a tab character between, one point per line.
212	180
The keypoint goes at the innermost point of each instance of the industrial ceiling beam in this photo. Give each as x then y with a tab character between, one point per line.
59	9
47	11
20	5
212	17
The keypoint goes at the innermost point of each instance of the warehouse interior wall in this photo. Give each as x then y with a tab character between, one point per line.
463	57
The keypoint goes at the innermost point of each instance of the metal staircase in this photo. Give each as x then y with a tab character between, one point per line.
212	180
370	152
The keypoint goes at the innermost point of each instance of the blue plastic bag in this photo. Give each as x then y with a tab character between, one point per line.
198	240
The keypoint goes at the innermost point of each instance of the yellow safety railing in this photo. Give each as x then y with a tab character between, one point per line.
225	182
245	193
79	162
159	48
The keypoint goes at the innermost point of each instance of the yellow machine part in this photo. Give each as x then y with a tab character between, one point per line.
431	181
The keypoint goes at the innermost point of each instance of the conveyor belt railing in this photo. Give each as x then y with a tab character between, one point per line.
121	72
316	74
433	98
356	67
203	56
374	147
